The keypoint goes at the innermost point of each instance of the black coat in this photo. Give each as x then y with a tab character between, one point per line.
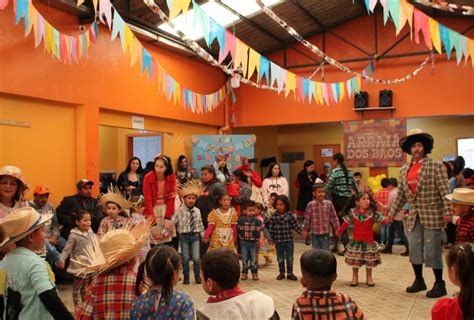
70	205
207	201
305	194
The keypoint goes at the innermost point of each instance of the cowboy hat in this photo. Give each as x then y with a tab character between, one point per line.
116	247
463	196
191	187
14	172
416	135
21	222
114	196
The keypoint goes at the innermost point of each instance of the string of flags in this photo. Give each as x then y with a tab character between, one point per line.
68	48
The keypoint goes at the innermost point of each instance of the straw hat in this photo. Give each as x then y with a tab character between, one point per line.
416	135
115	196
191	187
21	222
318	183
14	172
463	196
116	247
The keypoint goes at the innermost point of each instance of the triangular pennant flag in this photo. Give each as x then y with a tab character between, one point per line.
146	62
241	56
420	20
264	69
385	11
3	4
325	92
311	90
406	11
444	37
305	85
275	73
229	47
254	62
471	50
282	80
435	37
342	91
21	12
117	26
177	6
201	20
105	10
335	91
454	41
349	87
394	10
319	93
217	31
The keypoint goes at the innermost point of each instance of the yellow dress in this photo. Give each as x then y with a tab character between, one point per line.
222	235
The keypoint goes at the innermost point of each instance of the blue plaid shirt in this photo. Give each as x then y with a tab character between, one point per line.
249	229
280	226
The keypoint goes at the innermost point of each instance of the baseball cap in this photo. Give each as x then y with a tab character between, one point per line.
41	189
83	182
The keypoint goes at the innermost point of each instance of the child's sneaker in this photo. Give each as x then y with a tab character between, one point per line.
281	276
255	276
244	276
291	276
186	280
198	279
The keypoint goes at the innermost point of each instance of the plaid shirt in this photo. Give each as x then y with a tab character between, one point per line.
249	229
280	226
110	295
382	197
465	230
325	305
318	216
339	185
182	218
430	202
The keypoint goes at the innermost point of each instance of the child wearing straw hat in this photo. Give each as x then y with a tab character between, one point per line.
114	204
463	207
26	280
112	261
190	228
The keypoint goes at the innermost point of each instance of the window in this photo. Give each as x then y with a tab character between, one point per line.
466	150
146	147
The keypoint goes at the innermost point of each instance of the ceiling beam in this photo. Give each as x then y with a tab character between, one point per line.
308	14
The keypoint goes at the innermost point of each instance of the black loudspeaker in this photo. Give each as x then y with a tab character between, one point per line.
385	98
361	100
267	161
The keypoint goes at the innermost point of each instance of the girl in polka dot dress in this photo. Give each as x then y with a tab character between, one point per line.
158	274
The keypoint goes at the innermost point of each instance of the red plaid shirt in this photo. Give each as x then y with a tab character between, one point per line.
382	197
465	230
318	216
110	295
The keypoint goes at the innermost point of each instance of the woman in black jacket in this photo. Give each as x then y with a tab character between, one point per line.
306	179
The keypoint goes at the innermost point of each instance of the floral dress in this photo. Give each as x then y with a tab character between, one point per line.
150	306
363	249
222	236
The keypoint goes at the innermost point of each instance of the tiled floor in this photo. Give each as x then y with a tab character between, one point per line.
387	300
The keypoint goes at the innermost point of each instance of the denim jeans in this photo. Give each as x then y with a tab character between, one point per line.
320	241
285	252
190	248
384	228
248	250
397	226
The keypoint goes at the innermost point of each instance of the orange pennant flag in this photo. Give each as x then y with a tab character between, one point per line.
241	56
406	10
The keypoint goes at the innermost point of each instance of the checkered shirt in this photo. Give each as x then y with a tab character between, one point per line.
182	218
325	305
249	229
110	296
429	202
382	197
281	225
319	215
465	230
339	185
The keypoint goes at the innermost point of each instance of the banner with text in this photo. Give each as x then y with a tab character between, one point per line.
374	143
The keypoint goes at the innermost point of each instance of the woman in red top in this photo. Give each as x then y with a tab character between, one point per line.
460	261
159	190
363	249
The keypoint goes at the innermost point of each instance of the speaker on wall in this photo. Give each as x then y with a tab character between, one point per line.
361	100
385	98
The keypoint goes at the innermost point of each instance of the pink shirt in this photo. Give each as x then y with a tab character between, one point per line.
160	200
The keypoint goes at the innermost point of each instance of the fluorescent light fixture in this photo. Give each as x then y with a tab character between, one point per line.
185	22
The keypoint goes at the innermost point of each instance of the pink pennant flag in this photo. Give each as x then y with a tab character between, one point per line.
105	10
63	50
229	46
73	48
39	31
299	88
372	4
330	93
420	20
3	4
324	87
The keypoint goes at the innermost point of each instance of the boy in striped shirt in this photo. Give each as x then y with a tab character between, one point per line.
319	269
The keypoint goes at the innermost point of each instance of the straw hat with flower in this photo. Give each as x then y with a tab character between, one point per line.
21	222
116	247
192	187
115	196
463	196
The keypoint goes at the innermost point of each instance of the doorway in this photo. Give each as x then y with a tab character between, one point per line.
323	153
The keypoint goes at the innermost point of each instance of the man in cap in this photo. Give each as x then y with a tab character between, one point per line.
82	200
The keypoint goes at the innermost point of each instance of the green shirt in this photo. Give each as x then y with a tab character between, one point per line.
27	273
339	185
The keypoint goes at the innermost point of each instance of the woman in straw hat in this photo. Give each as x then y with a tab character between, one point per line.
424	186
112	261
30	292
463	204
114	204
12	187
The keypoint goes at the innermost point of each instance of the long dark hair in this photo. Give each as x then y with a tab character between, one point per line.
129	165
461	257
167	161
339	157
351	203
178	167
160	265
240	175
269	174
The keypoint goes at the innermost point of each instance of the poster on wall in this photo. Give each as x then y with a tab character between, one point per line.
374	143
234	147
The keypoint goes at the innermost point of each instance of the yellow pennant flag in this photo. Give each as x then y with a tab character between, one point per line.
359	83
471	50
290	83
178	6
241	56
254	63
49	39
434	30
319	93
406	10
95	2
129	42
342	91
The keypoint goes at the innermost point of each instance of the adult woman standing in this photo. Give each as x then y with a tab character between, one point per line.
424	185
221	170
274	182
12	187
159	190
184	173
306	179
130	181
341	186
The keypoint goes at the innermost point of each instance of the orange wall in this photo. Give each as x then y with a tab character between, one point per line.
447	91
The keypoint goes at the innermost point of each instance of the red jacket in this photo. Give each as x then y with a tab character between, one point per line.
150	192
254	176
